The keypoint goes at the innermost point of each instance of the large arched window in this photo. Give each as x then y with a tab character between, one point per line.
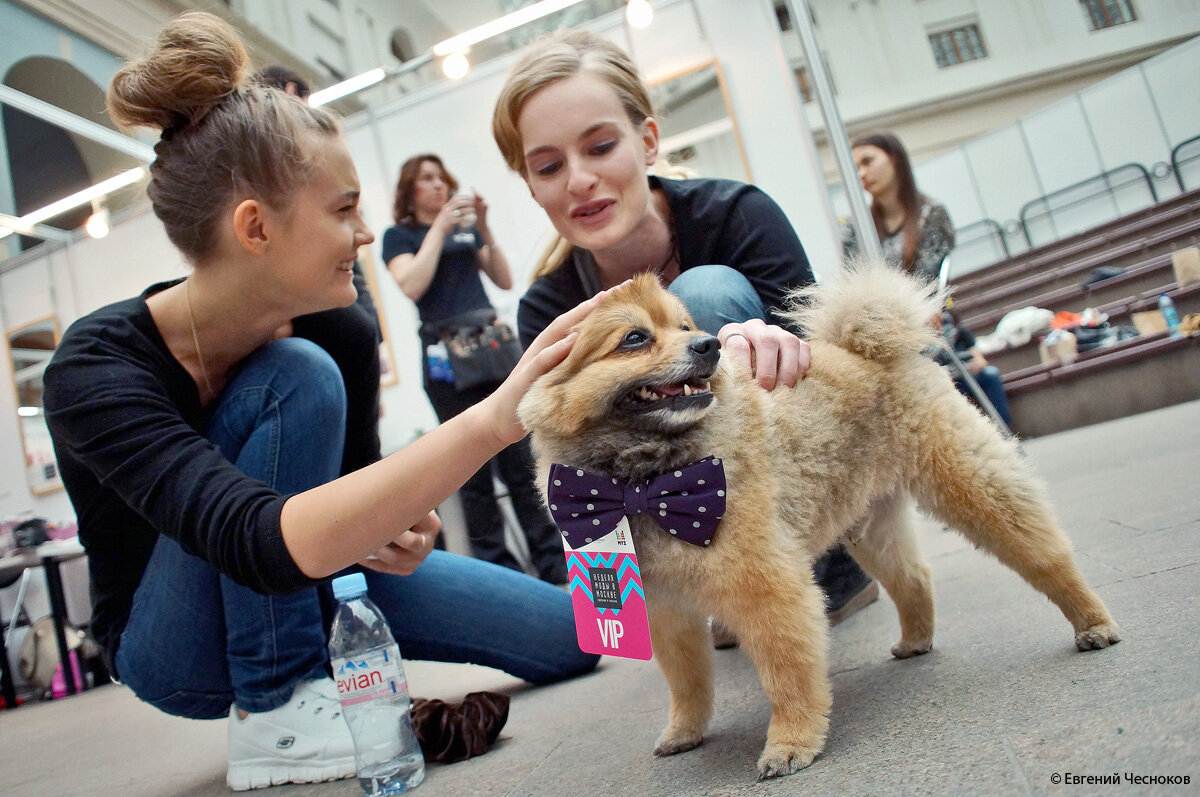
47	163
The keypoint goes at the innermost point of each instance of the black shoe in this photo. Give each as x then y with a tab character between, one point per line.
847	588
723	638
864	597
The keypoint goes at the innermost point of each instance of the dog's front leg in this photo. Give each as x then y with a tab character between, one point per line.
780	623
683	649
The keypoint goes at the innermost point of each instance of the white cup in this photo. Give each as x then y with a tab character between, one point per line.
466	216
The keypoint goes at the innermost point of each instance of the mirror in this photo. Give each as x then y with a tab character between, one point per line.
31	347
698	131
387	361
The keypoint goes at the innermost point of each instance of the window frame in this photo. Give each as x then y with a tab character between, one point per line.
1093	10
949	45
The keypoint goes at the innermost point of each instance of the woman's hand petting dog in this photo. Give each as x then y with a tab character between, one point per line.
772	354
401	556
547	350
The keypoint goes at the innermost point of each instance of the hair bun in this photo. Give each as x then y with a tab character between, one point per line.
198	61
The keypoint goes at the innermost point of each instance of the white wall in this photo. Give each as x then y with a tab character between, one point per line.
454	121
68	282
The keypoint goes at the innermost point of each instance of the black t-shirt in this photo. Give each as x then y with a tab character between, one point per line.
456	286
127	426
717	222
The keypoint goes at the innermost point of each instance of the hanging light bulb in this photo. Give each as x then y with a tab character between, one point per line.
456	66
98	224
639	13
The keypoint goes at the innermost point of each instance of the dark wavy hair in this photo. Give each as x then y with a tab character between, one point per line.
402	210
910	197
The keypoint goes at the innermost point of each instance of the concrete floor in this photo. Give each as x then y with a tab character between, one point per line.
1003	705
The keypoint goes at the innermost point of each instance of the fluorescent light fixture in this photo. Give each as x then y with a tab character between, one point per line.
456	66
28	412
638	13
81	198
460	43
356	83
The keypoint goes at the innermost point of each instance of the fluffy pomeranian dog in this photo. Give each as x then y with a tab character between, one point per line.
874	421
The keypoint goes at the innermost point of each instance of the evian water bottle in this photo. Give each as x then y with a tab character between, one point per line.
374	694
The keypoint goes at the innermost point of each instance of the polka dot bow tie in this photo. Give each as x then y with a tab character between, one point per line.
687	503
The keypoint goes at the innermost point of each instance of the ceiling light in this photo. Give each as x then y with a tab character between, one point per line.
516	19
81	198
98	224
639	13
339	90
28	412
456	66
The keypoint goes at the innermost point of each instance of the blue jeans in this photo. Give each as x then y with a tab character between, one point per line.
716	296
196	642
991	382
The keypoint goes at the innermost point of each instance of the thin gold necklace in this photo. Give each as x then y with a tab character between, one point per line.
673	254
187	289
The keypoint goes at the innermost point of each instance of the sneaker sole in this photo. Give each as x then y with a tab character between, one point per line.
866	597
248	776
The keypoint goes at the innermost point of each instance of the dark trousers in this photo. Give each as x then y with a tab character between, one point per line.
991	382
485	524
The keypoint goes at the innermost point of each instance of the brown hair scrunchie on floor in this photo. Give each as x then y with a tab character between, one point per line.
450	733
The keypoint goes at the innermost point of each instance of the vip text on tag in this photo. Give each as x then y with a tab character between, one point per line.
607	596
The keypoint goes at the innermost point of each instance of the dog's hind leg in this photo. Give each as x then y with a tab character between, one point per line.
886	547
974	480
683	649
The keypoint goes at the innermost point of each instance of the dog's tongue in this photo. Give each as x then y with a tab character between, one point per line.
669	390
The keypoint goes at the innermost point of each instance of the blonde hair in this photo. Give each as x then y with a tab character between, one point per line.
222	137
555	57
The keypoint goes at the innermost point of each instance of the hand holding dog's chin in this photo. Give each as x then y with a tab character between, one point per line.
771	354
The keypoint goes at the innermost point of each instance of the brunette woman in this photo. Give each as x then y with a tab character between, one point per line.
438	264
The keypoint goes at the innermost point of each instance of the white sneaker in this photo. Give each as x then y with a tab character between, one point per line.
306	740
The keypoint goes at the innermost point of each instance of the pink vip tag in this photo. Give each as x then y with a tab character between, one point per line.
606	593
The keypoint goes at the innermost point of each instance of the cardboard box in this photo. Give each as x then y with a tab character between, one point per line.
1058	348
1151	322
1186	263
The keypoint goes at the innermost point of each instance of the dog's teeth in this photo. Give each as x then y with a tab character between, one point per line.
687	389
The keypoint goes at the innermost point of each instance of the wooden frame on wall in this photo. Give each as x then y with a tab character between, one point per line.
30	347
388	375
692	126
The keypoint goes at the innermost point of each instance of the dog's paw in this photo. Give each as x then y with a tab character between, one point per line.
906	650
672	742
778	760
1098	636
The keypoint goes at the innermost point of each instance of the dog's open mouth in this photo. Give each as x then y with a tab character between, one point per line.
675	396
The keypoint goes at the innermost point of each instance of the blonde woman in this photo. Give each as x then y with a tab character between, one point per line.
575	121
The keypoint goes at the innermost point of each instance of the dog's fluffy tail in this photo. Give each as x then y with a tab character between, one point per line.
871	309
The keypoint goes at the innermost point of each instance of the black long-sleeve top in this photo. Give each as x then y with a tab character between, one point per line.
126	422
716	222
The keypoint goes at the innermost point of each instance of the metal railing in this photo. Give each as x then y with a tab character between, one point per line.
1092	201
1193	144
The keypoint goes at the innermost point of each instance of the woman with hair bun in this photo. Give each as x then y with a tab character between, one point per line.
205	442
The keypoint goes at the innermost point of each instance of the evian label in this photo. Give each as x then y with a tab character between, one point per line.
375	674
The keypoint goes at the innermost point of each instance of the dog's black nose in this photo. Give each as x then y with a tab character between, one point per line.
707	349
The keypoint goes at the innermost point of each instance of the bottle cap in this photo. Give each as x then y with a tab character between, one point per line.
349	586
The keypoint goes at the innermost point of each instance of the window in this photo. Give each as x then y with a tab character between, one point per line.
957	45
804	80
1107	13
